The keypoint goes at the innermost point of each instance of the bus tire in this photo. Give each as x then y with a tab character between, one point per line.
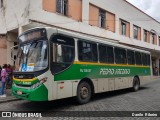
136	84
84	93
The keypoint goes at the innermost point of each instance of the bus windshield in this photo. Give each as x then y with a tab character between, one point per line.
32	56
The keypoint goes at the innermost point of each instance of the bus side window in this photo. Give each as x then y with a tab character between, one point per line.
148	59
138	58
110	54
106	54
102	53
144	59
130	57
87	51
120	56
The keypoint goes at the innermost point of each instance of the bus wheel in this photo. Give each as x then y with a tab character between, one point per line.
136	84
83	93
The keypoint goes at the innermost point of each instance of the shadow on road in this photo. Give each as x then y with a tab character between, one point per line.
115	93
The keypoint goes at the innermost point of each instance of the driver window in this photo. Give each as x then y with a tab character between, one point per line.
63	53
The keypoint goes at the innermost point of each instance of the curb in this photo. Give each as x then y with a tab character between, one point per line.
9	99
156	78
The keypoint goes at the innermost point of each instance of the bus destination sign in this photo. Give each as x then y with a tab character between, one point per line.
32	35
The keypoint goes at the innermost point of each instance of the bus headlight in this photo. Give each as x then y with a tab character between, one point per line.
39	83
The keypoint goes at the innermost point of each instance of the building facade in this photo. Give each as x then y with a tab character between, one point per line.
116	20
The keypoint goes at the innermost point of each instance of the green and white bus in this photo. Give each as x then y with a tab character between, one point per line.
54	63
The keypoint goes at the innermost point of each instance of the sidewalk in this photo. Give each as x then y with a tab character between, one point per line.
156	77
8	97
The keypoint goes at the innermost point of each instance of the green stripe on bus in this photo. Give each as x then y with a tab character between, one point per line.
79	71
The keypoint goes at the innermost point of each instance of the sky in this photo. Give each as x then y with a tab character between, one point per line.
151	7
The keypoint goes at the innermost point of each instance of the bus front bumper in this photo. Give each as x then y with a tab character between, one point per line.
38	94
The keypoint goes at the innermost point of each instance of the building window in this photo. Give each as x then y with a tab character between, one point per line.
62	7
135	32
152	38
145	35
102	16
123	29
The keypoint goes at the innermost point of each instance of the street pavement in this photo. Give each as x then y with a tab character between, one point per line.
9	96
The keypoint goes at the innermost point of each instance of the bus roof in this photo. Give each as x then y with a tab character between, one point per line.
88	37
97	39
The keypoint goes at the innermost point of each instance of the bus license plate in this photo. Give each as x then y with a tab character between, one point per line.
19	92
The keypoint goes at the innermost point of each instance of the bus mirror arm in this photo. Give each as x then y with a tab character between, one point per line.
12	49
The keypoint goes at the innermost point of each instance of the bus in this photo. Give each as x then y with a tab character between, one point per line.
53	63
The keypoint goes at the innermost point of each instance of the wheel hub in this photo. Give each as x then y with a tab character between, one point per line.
84	92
